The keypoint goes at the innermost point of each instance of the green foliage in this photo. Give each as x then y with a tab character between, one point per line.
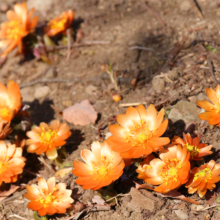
209	47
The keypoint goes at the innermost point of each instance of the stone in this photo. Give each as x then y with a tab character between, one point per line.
41	92
4	7
216	145
202	96
27	94
161	212
173	74
185	6
50	73
127	214
195	207
140	201
158	84
99	106
37	4
173	94
90	89
181	214
185	111
193	99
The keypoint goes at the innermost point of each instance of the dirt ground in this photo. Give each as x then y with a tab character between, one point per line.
174	62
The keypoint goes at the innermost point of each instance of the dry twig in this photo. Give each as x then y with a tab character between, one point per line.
47	81
41	159
211	68
132	104
17	216
155	14
197	8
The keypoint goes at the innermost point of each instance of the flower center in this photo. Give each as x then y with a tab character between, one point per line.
139	135
194	150
58	25
103	171
101	167
47	200
14	30
170	170
205	173
47	137
5	113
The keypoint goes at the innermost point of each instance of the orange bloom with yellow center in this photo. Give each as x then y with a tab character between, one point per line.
102	167
203	178
139	132
47	138
19	24
48	197
170	171
212	114
10	101
11	162
197	150
60	24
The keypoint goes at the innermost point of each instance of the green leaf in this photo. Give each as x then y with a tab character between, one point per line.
37	217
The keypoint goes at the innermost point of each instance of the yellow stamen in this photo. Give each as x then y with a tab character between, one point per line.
47	137
14	30
139	135
194	150
170	171
205	173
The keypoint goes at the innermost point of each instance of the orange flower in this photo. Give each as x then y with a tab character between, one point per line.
102	167
139	132
48	197
10	101
11	162
212	114
197	150
203	178
60	24
18	26
47	138
170	172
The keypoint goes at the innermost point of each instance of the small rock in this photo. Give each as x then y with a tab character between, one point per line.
41	92
127	214
193	99
27	94
185	6
140	201
186	111
50	73
162	212
88	195
173	74
173	94
4	7
99	106
90	90
202	96
67	103
181	214
195	207
216	145
158	84
132	43
37	4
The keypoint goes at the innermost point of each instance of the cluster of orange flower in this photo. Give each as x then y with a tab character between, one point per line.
48	197
138	135
20	23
